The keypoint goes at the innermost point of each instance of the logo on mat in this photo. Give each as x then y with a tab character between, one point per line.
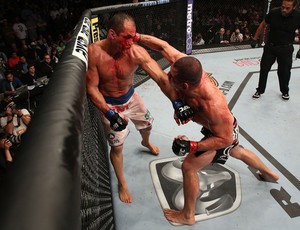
212	79
220	191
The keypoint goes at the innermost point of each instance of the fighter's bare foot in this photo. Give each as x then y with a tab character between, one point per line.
272	176
153	149
178	217
125	195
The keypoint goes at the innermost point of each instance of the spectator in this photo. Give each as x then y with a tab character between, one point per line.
54	12
54	57
43	44
5	145
227	35
6	154
24	48
13	60
236	36
13	48
7	31
61	39
19	29
34	53
16	120
30	77
44	68
158	32
247	36
221	37
3	64
3	57
22	67
41	25
31	28
198	40
10	84
60	48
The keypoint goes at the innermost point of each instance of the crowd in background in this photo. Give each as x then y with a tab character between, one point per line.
33	35
238	20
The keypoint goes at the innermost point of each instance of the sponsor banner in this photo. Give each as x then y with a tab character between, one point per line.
189	33
82	40
95	31
249	61
152	3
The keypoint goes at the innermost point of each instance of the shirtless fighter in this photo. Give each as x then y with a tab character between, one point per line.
220	128
111	66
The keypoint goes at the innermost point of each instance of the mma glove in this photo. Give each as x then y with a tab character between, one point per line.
253	43
117	123
298	54
181	147
182	111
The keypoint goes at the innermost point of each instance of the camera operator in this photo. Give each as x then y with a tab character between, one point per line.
8	148
5	155
15	120
236	36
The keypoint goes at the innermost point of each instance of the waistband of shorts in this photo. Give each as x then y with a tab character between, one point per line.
120	100
234	122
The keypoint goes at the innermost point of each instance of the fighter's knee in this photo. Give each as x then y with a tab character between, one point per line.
148	129
187	167
237	152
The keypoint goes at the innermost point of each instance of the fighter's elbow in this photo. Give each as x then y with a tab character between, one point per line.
164	46
226	141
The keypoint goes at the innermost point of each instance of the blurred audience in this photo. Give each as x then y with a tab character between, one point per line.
45	67
21	68
30	77
198	40
221	37
16	119
6	155
13	60
10	84
236	36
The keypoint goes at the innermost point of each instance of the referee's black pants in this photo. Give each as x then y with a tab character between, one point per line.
284	56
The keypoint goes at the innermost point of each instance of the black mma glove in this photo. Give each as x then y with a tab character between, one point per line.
183	112
181	147
298	54
253	43
117	123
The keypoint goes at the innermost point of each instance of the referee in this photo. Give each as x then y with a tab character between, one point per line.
283	22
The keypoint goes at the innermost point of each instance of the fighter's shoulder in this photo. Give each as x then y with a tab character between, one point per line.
95	47
137	48
139	52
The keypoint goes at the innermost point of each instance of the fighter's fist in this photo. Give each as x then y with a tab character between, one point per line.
117	123
181	146
137	37
183	112
298	54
